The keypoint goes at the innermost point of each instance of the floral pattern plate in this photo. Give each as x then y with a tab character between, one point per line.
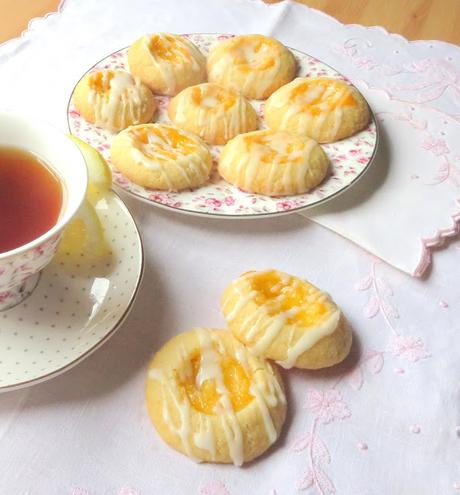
349	158
76	306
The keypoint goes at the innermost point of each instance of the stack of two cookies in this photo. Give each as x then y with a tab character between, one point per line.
214	396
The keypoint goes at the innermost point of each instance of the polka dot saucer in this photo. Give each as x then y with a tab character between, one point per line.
76	306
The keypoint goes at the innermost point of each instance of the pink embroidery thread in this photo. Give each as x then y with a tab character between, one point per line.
214	488
415	429
437	241
378	301
327	406
407	347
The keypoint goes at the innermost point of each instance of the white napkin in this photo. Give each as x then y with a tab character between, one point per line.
408	202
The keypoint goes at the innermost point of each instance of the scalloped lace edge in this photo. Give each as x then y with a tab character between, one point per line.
437	241
32	21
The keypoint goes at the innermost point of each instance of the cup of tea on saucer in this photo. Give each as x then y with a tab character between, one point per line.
43	181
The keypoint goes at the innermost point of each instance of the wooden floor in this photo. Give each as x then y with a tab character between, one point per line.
414	19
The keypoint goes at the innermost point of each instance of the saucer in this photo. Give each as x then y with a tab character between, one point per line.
76	306
350	158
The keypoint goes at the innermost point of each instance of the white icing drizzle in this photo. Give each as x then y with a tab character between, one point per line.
155	374
294	114
264	387
155	155
213	117
295	165
205	438
210	369
185	56
309	338
182	429
271	331
260	329
240	303
222	68
267	419
121	104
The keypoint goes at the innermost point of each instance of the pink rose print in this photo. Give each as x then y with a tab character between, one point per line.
74	114
326	405
408	347
165	200
285	205
121	180
229	200
4	296
213	202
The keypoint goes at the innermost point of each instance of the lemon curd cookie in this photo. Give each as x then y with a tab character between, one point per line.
161	156
167	63
215	113
322	108
113	99
251	64
213	400
287	319
273	163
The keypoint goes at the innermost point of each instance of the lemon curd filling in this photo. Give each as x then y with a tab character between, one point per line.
283	294
273	149
167	48
163	144
330	95
254	55
204	397
100	81
213	98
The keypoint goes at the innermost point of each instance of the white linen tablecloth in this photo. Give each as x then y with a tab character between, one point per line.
387	421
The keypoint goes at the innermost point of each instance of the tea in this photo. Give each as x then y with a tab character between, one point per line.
30	197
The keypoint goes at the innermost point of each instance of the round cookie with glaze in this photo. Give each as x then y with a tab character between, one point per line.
282	317
273	163
167	63
215	113
252	64
211	399
322	108
161	156
113	99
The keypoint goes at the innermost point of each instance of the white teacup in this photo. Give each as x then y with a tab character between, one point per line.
20	267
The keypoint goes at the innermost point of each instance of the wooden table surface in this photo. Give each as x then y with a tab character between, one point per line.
414	19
